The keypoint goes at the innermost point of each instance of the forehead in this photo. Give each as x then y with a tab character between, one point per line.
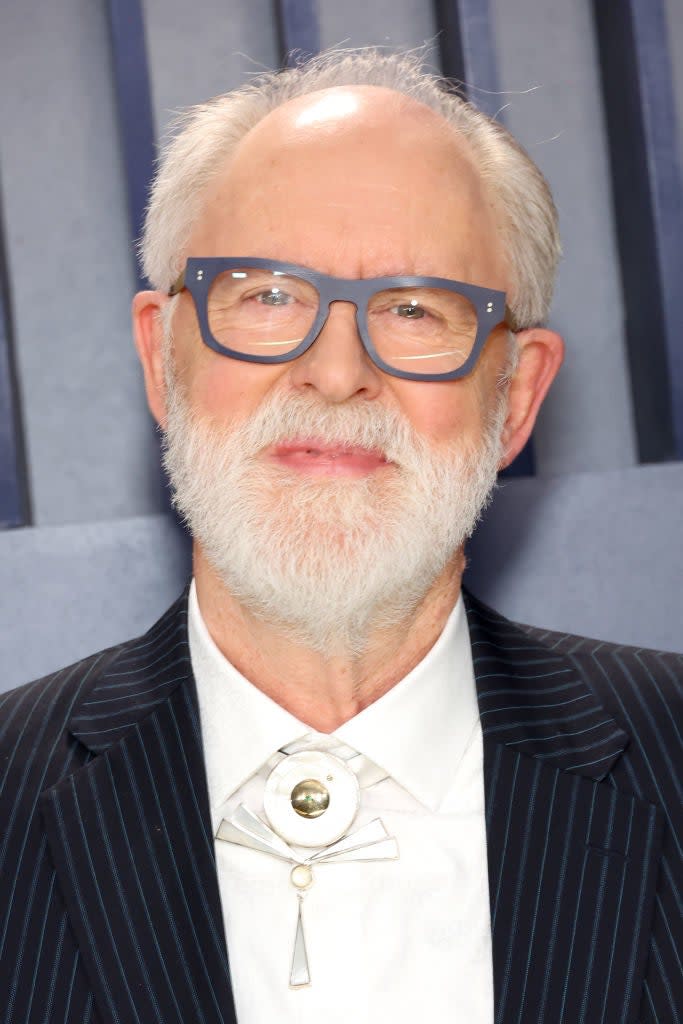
355	181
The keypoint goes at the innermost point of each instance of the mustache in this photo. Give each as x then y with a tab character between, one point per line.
359	424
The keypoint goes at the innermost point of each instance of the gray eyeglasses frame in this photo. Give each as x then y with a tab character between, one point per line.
199	274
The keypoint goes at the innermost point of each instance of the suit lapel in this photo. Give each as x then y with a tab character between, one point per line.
131	840
572	862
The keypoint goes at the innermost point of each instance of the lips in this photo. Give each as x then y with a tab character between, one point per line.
317	458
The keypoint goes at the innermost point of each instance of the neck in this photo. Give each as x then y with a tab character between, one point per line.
324	692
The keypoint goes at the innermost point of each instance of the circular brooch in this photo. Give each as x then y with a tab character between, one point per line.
311	798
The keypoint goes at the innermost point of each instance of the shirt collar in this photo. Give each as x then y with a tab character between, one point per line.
417	732
241	726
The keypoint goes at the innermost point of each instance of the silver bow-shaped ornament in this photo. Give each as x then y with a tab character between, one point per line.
371	842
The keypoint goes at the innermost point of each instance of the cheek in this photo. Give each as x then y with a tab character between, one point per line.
444	412
218	388
462	408
221	389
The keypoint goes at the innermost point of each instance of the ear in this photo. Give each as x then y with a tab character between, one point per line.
541	353
148	333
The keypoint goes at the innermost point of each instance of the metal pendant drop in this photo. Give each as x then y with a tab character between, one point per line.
299	974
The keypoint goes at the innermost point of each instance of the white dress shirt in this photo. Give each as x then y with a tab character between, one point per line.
405	940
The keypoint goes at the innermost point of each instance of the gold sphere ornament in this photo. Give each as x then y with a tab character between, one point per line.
310	798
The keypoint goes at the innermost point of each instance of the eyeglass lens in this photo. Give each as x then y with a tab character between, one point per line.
264	312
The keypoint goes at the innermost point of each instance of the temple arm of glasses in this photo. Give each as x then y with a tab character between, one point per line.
177	285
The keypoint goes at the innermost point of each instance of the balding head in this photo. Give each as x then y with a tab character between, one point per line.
356	181
208	135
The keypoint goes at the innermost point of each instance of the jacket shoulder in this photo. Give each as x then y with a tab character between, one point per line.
641	687
637	685
39	712
34	738
597	660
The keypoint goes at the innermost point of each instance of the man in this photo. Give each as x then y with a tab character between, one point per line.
328	784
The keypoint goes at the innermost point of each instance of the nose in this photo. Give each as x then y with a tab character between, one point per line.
336	364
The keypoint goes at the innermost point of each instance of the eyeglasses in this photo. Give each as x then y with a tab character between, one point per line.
265	311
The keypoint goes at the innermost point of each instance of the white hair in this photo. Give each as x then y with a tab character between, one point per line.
205	135
330	561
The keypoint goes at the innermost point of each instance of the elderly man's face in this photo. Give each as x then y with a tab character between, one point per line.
354	183
325	491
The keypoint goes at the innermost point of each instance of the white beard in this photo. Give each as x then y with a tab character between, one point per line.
326	559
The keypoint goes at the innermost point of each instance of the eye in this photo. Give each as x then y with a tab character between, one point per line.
409	310
274	297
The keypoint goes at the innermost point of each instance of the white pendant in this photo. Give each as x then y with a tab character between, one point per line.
311	798
299	974
368	843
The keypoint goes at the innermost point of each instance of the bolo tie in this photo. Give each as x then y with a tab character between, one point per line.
310	801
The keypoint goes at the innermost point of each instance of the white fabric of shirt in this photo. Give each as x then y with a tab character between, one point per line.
401	941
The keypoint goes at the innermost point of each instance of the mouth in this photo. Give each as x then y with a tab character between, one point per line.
312	457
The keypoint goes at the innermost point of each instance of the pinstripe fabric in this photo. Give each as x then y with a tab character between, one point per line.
573	853
110	907
41	970
643	690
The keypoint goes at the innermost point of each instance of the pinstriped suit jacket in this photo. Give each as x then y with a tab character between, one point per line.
109	901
